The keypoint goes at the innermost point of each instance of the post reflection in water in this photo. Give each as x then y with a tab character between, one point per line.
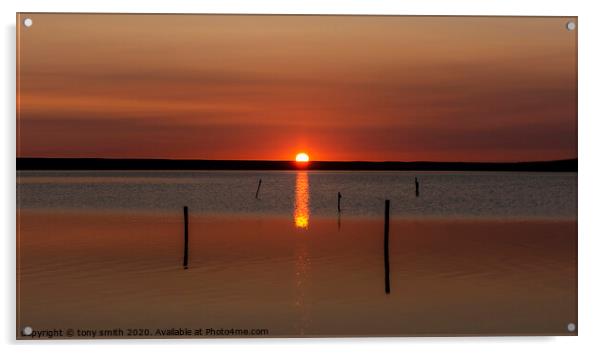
301	214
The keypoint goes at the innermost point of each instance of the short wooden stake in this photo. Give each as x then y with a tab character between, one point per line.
258	187
185	237
387	282
417	187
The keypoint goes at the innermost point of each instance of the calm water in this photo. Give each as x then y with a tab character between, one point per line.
442	194
476	253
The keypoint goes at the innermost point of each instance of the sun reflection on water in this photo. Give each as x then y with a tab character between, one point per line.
302	201
302	258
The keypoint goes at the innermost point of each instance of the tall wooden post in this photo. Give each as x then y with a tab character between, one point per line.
185	237
387	282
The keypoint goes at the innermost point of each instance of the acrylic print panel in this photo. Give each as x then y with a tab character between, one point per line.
210	176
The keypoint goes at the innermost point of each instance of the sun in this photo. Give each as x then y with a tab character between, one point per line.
302	157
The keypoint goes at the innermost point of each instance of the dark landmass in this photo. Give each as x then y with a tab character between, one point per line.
567	165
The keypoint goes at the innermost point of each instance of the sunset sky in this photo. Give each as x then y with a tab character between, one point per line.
267	87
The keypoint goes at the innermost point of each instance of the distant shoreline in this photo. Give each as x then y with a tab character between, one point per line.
566	165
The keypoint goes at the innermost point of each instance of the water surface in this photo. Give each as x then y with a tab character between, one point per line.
442	194
476	253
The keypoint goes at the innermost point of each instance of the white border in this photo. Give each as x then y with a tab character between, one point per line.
590	176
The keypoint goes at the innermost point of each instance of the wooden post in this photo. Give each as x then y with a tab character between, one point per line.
339	202
258	187
185	237
417	186
387	284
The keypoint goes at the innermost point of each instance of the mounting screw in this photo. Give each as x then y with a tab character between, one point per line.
27	331
571	26
571	327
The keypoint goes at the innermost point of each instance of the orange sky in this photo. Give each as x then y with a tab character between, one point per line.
266	87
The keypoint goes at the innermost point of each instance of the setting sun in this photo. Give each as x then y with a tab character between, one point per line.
302	157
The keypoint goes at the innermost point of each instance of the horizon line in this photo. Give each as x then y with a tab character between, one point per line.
292	160
29	163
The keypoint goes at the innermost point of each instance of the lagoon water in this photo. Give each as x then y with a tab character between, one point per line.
442	194
476	253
